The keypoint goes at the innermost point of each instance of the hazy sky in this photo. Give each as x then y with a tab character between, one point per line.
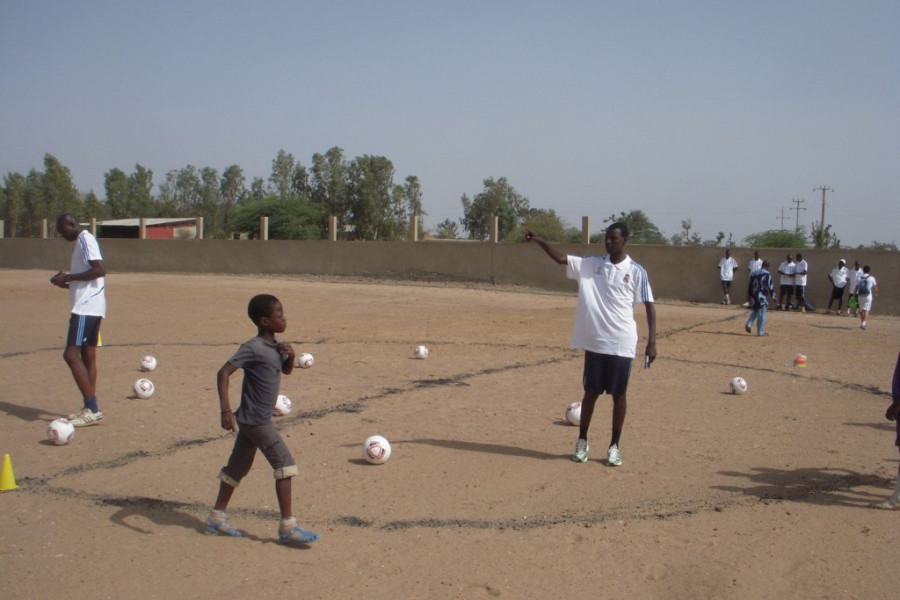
718	112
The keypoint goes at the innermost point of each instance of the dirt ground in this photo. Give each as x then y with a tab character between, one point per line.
719	496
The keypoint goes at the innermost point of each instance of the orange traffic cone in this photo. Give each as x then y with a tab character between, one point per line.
7	478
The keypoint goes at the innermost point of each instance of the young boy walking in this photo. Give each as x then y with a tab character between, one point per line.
263	359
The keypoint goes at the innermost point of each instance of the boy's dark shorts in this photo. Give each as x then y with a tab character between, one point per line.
837	293
84	330
726	283
786	289
267	440
606	373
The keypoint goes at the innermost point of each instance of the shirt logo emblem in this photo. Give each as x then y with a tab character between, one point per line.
627	278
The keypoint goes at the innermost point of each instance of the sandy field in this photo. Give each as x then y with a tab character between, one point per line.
765	495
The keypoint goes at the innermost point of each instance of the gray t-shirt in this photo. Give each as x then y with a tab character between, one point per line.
261	363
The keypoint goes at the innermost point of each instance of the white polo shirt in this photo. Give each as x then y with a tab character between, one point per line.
87	297
607	293
787	272
801	270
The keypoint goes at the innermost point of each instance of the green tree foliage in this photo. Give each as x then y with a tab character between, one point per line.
447	229
373	213
282	175
822	237
641	229
288	219
13	206
776	239
498	199
329	187
544	222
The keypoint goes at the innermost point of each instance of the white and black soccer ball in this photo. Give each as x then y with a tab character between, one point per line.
305	360
61	432
573	413
148	363
283	406
420	352
738	385
144	388
376	450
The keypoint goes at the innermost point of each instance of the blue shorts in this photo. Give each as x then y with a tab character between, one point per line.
84	330
606	373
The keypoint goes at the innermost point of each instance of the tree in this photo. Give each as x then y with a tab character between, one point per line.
60	193
447	230
116	183
330	187
140	192
14	202
210	201
282	174
288	220
497	199
640	228
686	238
187	192
822	237
544	222
374	213
93	208
776	239
232	191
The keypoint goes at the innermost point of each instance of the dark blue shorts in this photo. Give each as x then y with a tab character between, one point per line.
606	373
84	330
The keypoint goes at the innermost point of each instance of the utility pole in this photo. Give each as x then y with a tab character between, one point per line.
824	189
797	202
782	218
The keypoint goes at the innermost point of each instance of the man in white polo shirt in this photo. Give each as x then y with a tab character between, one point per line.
86	282
608	288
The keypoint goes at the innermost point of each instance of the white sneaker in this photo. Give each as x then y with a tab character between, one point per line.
86	417
581	450
612	456
889	504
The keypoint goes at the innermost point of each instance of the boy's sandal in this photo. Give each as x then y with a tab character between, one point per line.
223	528
298	535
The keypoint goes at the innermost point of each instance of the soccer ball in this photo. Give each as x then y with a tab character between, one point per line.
305	360
738	385
143	388
420	352
283	405
573	413
148	363
61	432
376	450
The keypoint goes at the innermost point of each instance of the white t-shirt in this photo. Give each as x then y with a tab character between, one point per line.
801	269
839	277
787	272
607	293
855	276
755	264
727	267
87	297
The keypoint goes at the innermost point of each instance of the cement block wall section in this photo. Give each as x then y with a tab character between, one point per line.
676	272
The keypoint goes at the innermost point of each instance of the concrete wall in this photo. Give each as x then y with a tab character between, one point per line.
676	272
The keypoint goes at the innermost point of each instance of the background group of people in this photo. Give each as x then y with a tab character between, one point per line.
794	274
